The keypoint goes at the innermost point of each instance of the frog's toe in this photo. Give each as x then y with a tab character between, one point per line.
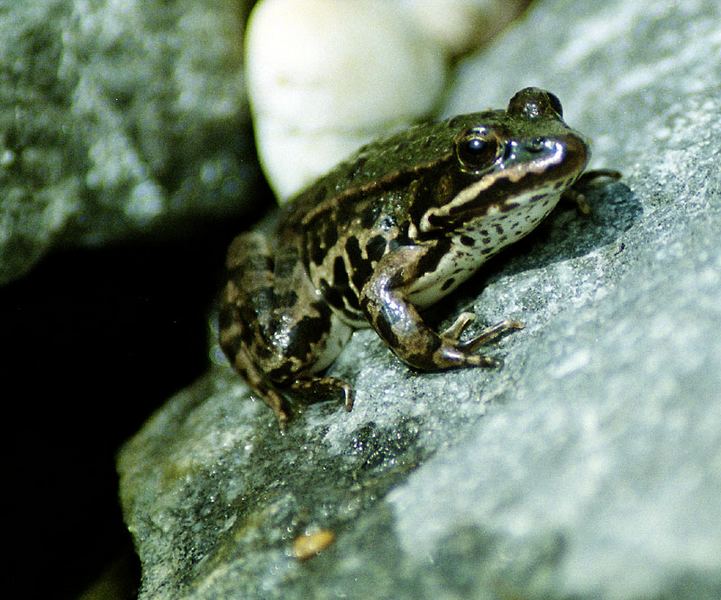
481	360
491	333
349	399
458	326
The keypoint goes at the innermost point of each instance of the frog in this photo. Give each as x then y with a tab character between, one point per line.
385	235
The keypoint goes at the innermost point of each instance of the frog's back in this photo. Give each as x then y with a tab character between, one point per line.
383	164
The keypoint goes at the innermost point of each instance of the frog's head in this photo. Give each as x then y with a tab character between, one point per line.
505	160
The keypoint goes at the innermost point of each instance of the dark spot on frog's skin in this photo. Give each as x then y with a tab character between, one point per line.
340	276
352	301
467	240
360	267
330	235
424	359
385	329
309	331
375	247
429	261
486	241
559	184
319	195
509	206
447	283
333	296
343	213
487	250
435	221
422	200
317	252
281	374
369	217
536	198
498	228
352	248
358	166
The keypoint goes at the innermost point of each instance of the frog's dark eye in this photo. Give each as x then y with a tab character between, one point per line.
476	149
555	103
535	103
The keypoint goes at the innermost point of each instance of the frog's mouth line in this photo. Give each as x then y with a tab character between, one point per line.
499	190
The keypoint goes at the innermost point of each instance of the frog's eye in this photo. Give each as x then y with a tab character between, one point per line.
555	103
476	149
535	103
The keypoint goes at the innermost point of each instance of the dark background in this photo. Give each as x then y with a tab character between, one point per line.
94	340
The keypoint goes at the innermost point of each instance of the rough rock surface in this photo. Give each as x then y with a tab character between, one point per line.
588	466
115	117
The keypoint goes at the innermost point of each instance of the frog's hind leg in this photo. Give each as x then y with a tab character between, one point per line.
243	363
275	329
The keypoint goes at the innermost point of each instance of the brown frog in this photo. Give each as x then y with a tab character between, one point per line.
387	233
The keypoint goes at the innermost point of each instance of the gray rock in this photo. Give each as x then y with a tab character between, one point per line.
588	466
117	117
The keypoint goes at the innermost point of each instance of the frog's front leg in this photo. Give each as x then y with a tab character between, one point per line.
275	329
576	194
385	301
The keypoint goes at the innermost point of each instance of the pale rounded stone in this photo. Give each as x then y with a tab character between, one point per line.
461	25
325	77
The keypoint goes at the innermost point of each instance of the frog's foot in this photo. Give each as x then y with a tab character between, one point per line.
491	333
576	194
315	389
453	333
463	352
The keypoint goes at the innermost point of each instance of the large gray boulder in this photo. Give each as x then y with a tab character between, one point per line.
588	466
118	118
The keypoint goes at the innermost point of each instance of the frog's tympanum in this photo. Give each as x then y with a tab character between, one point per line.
384	235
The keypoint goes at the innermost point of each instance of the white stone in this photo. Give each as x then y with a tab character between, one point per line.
324	77
461	25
